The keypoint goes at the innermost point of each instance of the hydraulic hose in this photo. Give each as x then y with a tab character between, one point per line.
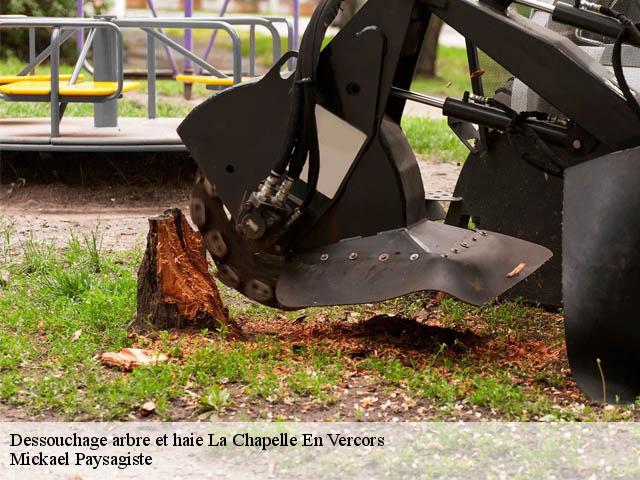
629	32
301	137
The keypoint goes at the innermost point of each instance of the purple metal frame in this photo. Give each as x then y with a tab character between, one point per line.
296	23
80	14
188	33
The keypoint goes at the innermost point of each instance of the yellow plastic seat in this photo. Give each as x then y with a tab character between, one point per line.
5	79
82	89
205	80
96	89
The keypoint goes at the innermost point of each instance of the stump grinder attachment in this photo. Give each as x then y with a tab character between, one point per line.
310	195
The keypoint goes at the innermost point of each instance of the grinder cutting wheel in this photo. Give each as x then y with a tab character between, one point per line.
310	195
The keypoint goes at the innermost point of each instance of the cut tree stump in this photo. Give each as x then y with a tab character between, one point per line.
175	288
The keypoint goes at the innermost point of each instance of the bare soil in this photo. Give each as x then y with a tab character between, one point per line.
47	197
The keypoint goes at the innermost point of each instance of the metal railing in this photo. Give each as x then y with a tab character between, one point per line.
64	29
57	25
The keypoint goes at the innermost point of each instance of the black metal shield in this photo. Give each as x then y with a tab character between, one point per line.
472	266
601	275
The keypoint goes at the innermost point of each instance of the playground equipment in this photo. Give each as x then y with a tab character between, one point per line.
293	34
108	83
325	206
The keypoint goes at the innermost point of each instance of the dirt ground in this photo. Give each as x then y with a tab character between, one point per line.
47	198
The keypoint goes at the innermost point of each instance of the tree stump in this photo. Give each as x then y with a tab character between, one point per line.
175	288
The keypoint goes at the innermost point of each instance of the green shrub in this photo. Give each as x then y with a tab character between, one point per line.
15	42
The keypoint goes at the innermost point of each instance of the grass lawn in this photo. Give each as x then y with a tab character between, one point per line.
452	74
433	139
411	358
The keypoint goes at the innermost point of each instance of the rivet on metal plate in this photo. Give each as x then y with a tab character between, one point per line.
384	257
414	257
353	256
324	257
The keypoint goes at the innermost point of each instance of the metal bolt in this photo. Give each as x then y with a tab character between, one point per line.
251	225
324	257
414	257
384	257
577	144
455	250
474	239
353	256
464	244
482	233
444	255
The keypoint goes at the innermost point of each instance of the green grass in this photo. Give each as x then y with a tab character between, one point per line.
47	366
434	139
62	308
452	74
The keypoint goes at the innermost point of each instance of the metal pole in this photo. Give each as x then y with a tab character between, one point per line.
188	44
252	51
32	47
82	57
80	14
296	23
418	97
151	76
105	69
55	83
188	33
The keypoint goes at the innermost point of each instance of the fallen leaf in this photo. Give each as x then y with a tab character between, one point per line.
517	271
478	73
147	408
76	335
130	358
439	297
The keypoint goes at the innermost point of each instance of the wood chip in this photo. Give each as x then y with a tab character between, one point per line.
129	358
147	408
517	271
